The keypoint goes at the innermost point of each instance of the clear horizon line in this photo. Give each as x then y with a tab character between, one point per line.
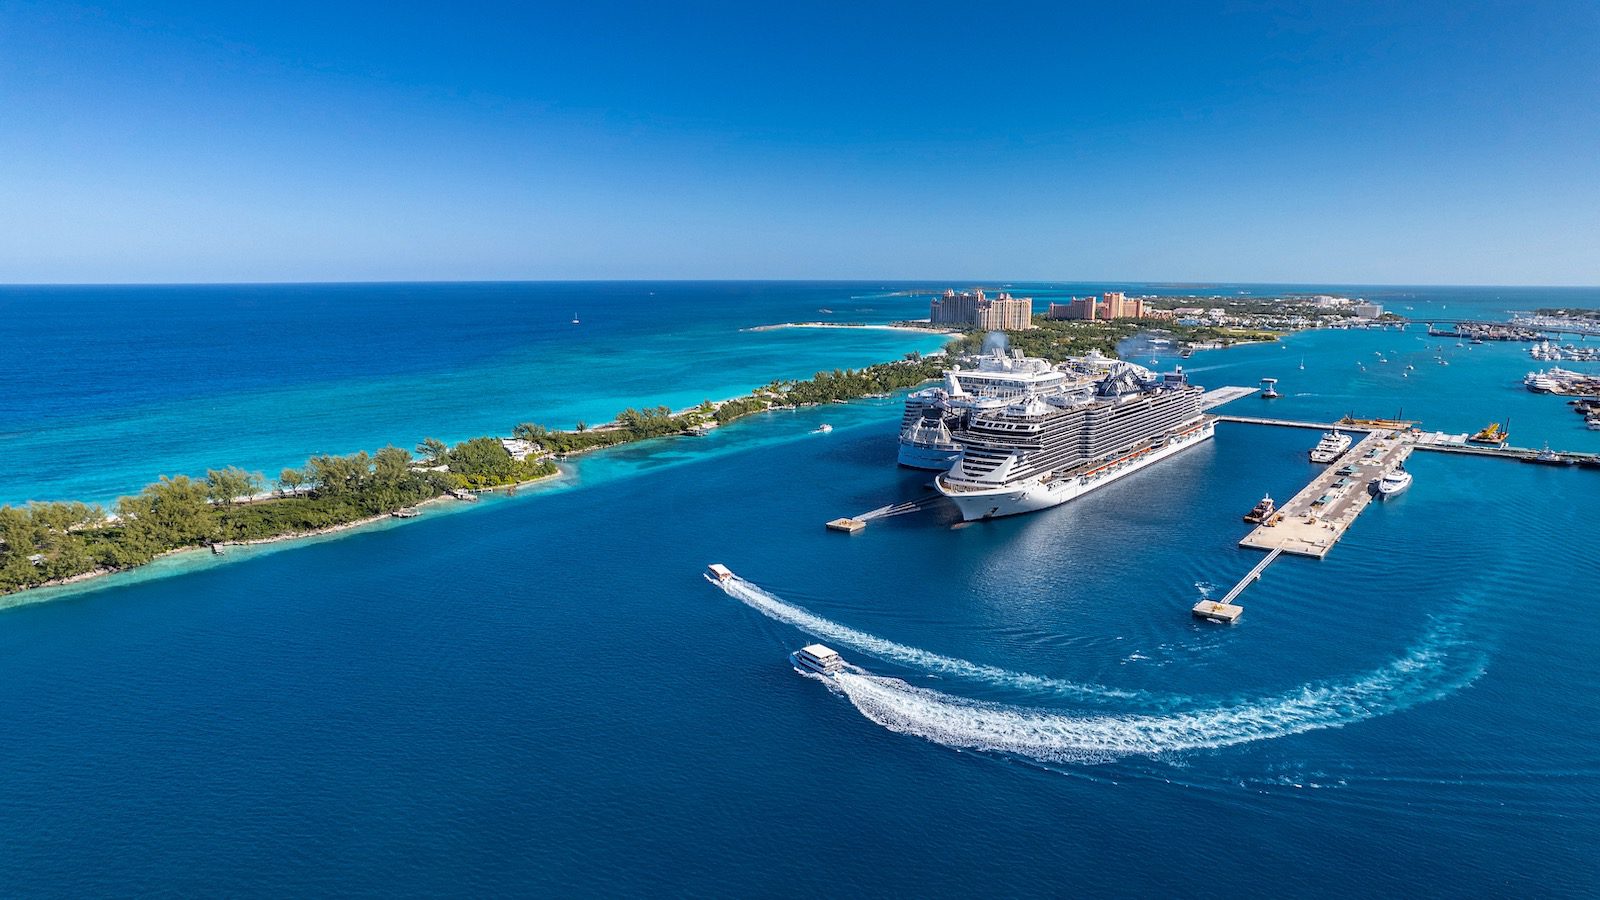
950	281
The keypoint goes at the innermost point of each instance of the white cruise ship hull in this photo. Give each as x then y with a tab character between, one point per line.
933	458
1037	494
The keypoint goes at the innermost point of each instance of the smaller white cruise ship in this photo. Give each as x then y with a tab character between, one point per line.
819	659
1393	483
1332	446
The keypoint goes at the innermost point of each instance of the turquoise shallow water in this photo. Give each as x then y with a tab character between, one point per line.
542	693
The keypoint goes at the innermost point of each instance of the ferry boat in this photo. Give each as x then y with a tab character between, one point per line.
1262	510
719	573
1493	433
1332	446
933	414
1035	452
819	659
1393	484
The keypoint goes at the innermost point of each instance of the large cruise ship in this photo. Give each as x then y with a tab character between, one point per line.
1032	452
932	415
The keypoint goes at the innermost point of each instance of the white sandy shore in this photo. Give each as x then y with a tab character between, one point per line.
915	329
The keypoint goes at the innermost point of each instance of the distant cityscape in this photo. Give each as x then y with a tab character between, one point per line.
1003	312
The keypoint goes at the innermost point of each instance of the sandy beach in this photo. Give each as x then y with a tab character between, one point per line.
915	329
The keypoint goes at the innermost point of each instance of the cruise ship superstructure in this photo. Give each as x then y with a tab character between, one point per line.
932	415
1034	450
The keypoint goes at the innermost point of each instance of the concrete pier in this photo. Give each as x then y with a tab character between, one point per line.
1317	517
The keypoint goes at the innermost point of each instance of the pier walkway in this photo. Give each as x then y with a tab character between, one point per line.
1225	610
1317	517
1221	395
1290	423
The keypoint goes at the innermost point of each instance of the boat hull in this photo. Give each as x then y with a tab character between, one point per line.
1035	495
932	458
1393	492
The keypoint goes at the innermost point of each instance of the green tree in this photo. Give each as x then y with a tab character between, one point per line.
528	431
224	486
434	451
290	480
166	515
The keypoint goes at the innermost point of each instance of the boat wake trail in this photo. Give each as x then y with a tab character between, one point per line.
809	622
1440	664
1426	673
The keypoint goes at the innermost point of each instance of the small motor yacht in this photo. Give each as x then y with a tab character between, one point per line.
1393	483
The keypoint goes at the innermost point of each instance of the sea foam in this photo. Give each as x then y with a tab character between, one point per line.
1435	667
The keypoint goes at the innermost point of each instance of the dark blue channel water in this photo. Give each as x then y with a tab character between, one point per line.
542	694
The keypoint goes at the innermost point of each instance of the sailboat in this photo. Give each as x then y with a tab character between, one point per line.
1302	363
574	318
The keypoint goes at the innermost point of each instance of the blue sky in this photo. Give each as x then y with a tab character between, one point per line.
1372	143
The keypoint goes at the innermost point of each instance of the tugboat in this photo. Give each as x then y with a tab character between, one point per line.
1262	511
819	659
1494	433
1269	389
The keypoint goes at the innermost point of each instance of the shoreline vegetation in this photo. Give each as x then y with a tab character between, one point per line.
49	544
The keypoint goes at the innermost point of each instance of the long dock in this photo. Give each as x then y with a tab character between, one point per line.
1424	440
1317	517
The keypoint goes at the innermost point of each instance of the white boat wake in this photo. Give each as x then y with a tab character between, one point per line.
1426	672
811	623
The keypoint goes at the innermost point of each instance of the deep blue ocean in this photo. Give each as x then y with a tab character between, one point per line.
541	694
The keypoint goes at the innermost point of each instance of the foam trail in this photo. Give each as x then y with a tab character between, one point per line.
809	622
1423	674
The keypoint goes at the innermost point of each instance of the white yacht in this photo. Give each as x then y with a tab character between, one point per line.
817	658
1034	452
932	414
1332	446
1393	483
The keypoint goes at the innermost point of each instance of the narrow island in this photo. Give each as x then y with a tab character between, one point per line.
54	543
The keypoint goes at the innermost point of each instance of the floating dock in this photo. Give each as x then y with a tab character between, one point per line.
1317	517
